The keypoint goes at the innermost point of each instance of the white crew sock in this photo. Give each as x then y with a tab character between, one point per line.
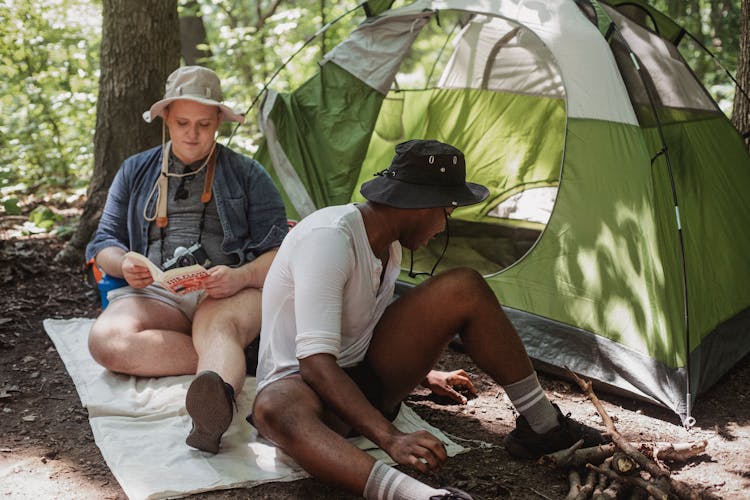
529	400
387	483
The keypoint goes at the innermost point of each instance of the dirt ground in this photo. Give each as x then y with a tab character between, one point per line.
47	448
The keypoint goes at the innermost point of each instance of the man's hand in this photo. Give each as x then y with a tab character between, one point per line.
420	450
446	383
136	274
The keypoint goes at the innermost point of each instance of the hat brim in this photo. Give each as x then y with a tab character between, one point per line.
400	194
157	109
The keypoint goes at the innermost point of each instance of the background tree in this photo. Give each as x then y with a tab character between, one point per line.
741	108
49	58
193	41
140	47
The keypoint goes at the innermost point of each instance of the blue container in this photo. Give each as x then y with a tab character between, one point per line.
106	284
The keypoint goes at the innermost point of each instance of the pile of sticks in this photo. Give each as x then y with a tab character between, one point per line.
622	469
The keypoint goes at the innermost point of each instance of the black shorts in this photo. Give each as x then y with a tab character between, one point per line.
362	374
251	356
371	386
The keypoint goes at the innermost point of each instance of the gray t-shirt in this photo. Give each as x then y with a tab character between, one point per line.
184	212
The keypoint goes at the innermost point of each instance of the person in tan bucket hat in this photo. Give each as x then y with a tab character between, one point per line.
188	201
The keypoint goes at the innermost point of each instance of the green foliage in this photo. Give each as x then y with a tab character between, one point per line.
44	218
715	23
11	206
48	86
248	45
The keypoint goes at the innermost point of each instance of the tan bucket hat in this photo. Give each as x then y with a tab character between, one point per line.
194	83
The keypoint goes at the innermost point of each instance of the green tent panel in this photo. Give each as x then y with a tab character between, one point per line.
614	230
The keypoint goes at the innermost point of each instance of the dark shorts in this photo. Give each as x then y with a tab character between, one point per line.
251	356
362	374
371	386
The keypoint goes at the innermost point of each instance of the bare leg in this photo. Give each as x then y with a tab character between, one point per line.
222	328
143	337
289	413
415	329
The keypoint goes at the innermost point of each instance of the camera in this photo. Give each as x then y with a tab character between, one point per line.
184	257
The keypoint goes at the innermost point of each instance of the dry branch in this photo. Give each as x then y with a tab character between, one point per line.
646	463
623	464
674	452
578	456
591	479
622	458
603	481
650	488
574	479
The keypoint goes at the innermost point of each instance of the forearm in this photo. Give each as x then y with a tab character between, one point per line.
110	261
253	274
344	397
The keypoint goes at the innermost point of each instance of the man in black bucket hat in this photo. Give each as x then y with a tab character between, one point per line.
338	354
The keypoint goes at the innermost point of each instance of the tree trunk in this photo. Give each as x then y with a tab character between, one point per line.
140	47
741	108
193	35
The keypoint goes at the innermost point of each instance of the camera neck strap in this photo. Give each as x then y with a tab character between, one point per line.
163	184
161	216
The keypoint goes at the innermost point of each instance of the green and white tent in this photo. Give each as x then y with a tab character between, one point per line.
616	230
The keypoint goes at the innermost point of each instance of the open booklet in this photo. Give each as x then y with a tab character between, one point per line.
180	280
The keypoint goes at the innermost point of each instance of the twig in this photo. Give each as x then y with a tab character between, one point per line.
574	481
675	452
652	490
540	494
591	479
579	457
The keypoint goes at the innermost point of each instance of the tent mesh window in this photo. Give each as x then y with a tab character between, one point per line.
466	79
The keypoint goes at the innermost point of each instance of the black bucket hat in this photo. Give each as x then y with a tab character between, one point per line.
424	174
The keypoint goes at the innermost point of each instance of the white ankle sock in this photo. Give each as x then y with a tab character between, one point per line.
529	400
387	483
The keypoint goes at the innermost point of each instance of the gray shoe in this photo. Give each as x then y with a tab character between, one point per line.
209	402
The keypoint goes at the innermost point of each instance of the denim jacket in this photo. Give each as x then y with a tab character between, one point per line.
250	208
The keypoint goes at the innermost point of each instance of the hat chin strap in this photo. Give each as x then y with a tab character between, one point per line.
412	274
161	186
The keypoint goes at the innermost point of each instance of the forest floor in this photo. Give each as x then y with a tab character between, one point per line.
47	449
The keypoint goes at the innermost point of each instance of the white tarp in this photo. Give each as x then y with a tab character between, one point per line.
140	425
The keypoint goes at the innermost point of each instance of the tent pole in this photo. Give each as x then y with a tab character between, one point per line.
284	64
688	421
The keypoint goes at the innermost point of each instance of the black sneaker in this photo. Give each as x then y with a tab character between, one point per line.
453	494
209	402
523	442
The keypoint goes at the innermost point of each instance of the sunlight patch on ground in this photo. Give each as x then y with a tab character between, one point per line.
28	474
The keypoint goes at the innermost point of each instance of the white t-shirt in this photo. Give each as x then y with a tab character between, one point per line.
323	293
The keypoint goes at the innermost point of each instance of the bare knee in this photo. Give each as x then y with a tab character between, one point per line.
270	417
465	285
109	346
237	316
278	413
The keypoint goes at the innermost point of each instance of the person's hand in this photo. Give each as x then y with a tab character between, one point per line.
446	383
420	450
136	274
223	282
